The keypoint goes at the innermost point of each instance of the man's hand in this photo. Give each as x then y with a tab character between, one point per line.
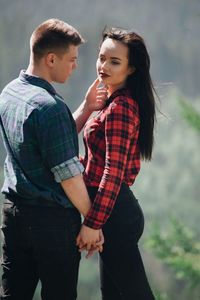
98	247
90	239
95	99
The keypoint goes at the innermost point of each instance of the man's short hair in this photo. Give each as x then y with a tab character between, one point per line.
55	36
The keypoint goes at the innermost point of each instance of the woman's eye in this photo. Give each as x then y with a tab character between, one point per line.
115	63
101	59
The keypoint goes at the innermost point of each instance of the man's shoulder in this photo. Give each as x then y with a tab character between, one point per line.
28	93
32	95
31	98
9	86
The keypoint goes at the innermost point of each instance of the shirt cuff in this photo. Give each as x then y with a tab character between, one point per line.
67	169
90	222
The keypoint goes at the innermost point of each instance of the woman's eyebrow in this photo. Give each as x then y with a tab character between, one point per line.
113	57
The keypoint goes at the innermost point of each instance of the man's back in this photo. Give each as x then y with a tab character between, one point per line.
34	118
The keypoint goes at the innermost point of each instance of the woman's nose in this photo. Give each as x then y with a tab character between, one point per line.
104	65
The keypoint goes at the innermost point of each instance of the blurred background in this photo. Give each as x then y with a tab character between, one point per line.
168	187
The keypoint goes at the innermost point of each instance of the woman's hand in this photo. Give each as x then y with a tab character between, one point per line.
90	239
98	247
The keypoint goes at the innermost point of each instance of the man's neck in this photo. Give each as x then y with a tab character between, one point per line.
37	70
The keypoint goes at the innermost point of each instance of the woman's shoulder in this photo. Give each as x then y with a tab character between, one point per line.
123	98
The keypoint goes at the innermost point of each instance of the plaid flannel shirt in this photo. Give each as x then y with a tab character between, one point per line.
43	137
112	153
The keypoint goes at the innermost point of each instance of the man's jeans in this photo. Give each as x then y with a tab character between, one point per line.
39	243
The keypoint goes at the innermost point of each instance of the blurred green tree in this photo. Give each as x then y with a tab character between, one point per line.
190	114
179	247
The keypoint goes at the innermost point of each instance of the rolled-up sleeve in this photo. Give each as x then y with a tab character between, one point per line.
68	169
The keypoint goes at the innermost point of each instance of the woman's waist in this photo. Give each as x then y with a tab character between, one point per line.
93	189
94	180
94	172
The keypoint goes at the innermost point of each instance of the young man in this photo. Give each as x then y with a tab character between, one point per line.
44	189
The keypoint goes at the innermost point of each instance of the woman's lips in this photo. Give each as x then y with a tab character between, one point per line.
104	75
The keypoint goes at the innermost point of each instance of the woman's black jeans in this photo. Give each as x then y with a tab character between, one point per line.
40	243
122	272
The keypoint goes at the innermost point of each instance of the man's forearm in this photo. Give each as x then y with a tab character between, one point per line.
81	116
76	191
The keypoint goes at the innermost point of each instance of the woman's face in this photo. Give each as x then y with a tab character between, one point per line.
112	64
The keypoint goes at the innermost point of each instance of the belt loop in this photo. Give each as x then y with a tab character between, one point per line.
14	210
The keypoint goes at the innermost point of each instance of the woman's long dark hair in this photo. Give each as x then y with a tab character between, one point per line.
140	85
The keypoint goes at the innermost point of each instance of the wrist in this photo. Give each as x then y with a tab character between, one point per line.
89	228
86	108
92	224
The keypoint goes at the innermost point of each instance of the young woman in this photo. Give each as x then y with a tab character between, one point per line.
116	139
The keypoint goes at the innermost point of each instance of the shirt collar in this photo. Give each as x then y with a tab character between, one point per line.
120	92
35	80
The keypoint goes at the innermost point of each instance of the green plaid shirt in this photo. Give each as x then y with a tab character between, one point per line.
43	137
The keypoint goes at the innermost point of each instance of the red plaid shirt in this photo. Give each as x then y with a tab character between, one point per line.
112	153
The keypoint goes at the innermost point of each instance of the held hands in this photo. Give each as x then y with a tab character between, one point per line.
96	96
90	239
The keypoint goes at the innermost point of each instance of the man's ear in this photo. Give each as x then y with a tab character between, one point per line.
50	59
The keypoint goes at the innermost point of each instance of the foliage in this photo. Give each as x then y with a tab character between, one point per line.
160	296
179	249
171	181
190	114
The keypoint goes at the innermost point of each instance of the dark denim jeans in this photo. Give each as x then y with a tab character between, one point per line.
122	272
40	243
